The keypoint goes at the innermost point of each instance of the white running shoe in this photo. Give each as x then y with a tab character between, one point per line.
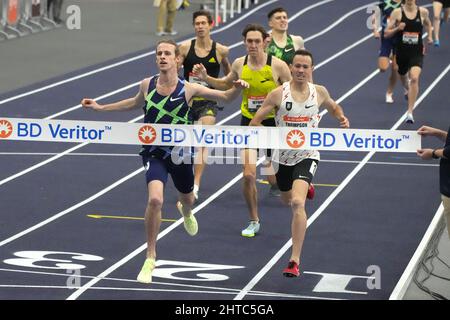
251	230
389	98
409	118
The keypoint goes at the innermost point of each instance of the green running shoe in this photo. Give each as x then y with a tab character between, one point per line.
190	223
145	276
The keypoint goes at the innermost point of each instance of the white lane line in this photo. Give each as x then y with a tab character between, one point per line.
124	260
106	95
337	22
82	154
260	294
38	165
154	283
43	163
333	195
386	163
68	210
135	155
117	64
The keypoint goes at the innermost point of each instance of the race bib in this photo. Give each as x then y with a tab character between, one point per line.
410	38
255	102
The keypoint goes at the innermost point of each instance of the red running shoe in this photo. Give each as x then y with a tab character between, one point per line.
311	192
291	270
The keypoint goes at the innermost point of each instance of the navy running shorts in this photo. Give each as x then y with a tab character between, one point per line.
159	169
387	47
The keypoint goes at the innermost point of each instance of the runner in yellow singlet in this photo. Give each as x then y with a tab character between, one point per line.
264	73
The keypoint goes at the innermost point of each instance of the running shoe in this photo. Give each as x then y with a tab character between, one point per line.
145	276
190	223
311	192
436	43
291	270
251	230
274	191
409	118
389	98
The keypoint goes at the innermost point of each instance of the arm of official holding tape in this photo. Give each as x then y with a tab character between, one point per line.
196	90
333	108
122	105
427	154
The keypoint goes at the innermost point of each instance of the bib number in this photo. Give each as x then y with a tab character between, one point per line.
410	38
254	103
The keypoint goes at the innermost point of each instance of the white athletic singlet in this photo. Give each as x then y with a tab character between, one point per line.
297	115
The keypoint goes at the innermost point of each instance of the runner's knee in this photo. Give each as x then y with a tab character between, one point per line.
155	202
414	80
249	177
298	203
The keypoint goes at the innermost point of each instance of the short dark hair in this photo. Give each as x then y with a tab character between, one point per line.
276	10
255	27
170	41
303	52
205	13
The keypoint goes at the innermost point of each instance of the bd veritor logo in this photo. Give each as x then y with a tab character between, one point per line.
6	129
147	134
295	138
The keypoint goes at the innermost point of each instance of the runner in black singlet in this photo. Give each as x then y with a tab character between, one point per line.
212	55
407	23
